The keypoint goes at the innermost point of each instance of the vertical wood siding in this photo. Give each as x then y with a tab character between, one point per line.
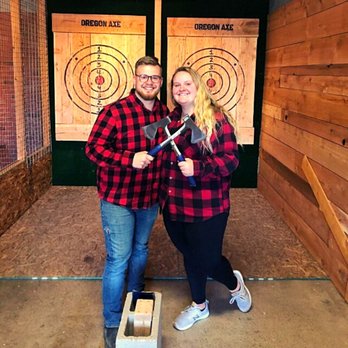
305	113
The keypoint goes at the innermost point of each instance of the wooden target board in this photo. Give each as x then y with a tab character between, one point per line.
223	52
94	56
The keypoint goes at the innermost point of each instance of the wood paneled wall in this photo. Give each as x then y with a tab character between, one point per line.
305	116
21	187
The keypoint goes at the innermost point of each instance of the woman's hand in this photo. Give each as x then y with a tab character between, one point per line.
186	167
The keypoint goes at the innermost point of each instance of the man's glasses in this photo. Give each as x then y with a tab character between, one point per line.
144	78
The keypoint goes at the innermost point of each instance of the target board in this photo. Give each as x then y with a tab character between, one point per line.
223	52
94	56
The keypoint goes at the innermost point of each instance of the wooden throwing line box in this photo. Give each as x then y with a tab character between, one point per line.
140	325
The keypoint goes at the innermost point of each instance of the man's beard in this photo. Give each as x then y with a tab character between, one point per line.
146	96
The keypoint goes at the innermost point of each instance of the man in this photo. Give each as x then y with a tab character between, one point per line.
127	182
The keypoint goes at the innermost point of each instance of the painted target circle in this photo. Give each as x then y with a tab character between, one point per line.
222	73
97	75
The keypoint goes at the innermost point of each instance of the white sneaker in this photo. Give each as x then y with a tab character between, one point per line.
190	315
242	296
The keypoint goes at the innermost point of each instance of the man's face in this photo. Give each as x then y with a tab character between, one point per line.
148	88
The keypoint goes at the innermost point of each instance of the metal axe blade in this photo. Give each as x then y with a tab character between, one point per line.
151	129
150	132
196	134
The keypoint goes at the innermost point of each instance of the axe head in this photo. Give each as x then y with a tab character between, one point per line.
151	129
196	134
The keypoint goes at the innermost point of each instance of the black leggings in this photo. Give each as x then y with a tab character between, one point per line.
201	246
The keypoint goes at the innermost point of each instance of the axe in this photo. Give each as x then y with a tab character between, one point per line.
196	136
151	129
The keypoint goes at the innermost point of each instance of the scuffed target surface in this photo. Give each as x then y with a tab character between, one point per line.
96	75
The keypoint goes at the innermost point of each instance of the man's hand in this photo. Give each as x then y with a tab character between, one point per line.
186	167
141	160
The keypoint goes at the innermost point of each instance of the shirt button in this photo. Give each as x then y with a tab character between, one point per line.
171	163
170	178
170	191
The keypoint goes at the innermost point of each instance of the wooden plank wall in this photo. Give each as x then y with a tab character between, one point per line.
305	115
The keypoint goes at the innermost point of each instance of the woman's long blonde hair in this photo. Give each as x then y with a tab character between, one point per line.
205	107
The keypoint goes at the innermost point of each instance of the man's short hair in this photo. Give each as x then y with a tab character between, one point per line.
147	60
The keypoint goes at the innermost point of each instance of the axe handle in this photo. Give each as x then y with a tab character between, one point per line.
154	151
191	179
180	157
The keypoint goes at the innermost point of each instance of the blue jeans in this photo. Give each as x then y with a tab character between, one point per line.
126	234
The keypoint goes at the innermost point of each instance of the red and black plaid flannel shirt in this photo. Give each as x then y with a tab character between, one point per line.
212	173
115	137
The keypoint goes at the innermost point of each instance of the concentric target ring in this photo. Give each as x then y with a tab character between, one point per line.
222	73
97	75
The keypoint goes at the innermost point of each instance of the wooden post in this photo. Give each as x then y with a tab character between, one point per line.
43	60
158	26
18	78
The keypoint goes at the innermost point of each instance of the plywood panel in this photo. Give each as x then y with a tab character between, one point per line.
326	208
314	70
327	257
299	200
287	35
294	11
337	85
272	110
298	196
276	19
329	108
316	26
223	51
93	67
319	26
315	6
272	78
336	134
335	186
291	12
329	50
322	151
305	113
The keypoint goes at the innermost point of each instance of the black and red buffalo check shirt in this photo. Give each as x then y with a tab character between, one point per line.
115	137
212	173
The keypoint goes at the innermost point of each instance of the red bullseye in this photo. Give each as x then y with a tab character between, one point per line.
211	83
99	80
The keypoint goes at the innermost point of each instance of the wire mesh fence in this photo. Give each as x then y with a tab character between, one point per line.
24	105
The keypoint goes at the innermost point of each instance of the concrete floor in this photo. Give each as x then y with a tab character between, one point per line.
286	313
66	313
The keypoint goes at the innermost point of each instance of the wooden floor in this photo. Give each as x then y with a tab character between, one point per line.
60	235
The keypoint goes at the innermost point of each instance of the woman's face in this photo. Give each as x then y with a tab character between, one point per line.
184	90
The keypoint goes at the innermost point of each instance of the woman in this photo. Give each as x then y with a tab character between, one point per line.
196	217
